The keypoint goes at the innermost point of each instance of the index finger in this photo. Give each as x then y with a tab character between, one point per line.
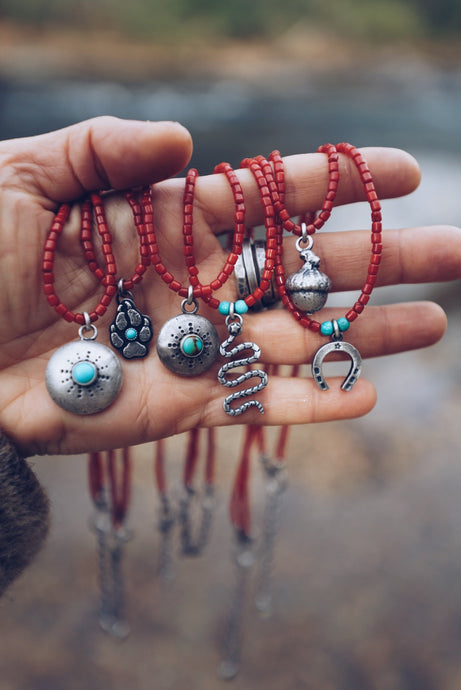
395	173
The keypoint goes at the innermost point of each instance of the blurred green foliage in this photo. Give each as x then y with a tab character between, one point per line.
186	20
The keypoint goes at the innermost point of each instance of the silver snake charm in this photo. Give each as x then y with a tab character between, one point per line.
235	328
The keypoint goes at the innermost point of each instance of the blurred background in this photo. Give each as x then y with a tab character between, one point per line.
368	558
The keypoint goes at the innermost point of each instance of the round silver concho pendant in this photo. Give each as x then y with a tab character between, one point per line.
83	377
188	344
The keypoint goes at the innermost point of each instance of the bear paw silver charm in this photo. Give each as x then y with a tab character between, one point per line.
131	331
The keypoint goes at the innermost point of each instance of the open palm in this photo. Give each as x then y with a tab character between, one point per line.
39	173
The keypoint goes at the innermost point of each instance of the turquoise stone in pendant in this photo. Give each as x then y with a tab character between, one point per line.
131	333
191	345
84	373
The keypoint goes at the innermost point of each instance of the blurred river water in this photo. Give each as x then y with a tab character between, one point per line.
368	560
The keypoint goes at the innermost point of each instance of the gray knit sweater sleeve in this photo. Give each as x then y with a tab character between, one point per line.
24	513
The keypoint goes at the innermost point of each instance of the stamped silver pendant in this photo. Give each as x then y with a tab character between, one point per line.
84	377
188	344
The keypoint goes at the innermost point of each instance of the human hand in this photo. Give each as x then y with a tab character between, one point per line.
39	173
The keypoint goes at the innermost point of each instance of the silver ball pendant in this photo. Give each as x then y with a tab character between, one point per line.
308	287
188	344
83	377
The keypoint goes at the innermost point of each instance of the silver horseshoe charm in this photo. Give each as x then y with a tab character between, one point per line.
337	346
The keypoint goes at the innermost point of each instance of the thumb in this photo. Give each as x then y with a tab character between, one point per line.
102	153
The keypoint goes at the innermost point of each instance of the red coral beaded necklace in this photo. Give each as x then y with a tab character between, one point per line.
188	344
83	377
306	290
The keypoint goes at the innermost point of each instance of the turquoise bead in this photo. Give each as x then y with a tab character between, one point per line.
343	324
241	307
192	345
131	333
326	328
84	373
224	308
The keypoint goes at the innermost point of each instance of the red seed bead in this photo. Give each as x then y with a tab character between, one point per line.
214	303
175	285
69	316
61	309
351	315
